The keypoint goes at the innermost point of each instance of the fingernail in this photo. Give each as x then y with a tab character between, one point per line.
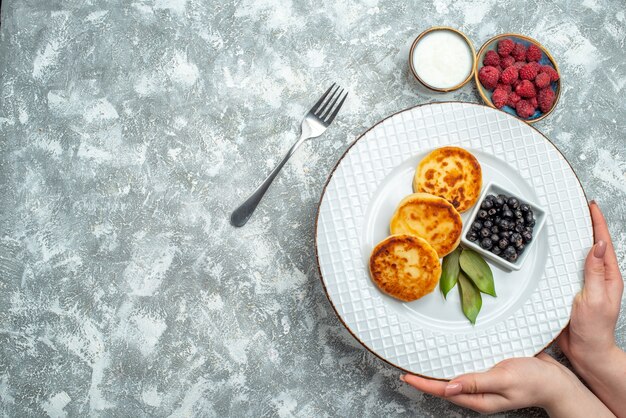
452	389
592	202
402	378
600	249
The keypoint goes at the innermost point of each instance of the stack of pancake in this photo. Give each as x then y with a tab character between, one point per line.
426	224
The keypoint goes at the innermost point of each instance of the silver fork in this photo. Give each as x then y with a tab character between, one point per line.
314	124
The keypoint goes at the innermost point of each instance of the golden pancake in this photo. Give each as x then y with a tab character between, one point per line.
405	267
431	218
452	173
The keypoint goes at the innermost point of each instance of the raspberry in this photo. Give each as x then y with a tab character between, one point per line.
524	109
509	75
533	53
536	66
505	47
512	99
519	64
526	89
533	102
507	61
550	71
519	52
542	80
489	76
505	87
546	99
491	58
528	72
498	98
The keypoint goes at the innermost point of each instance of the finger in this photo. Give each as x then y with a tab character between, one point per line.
430	386
482	402
594	286
493	380
601	233
486	403
614	285
600	228
563	341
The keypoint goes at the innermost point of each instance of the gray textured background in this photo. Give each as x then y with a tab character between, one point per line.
129	131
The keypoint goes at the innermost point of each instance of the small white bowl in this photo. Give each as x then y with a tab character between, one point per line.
540	219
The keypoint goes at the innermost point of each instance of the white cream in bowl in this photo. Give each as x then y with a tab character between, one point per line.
442	59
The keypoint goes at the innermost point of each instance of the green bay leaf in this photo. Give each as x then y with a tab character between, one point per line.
471	301
478	271
450	269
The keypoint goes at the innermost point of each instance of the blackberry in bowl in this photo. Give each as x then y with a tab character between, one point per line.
503	226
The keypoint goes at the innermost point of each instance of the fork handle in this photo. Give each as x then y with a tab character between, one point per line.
241	215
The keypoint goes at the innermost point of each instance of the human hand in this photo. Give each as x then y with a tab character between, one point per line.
589	340
590	335
517	383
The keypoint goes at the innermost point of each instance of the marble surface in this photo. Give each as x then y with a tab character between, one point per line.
130	129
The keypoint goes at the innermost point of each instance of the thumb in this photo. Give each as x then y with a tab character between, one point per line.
594	270
489	381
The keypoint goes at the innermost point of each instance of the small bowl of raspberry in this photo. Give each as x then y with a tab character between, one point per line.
516	74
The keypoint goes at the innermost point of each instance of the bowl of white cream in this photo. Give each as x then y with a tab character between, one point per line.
442	59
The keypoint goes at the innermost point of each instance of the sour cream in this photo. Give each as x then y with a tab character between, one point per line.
442	59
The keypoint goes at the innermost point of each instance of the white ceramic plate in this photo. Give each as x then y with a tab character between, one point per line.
430	336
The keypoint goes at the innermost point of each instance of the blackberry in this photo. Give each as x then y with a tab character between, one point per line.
487	204
509	252
516	239
529	217
486	243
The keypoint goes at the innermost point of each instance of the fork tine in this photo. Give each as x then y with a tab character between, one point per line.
321	100
331	103
332	115
323	108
